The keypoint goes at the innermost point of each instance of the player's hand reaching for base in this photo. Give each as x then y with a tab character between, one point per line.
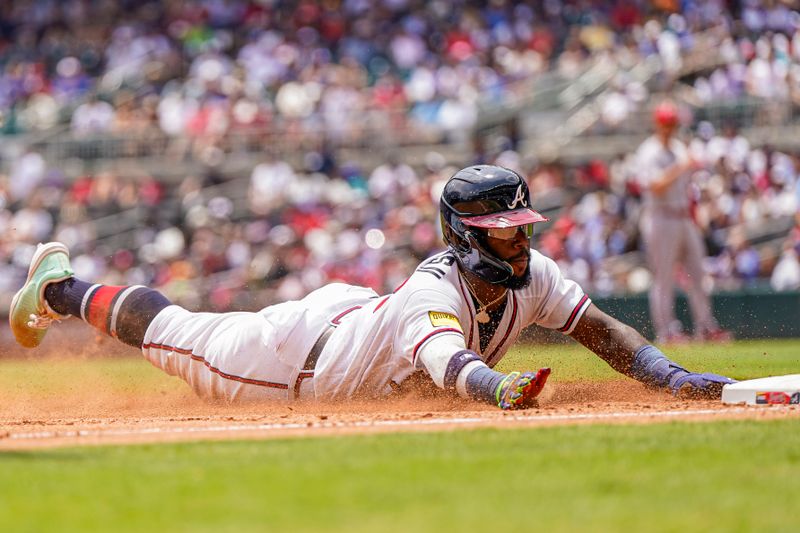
652	367
520	389
705	386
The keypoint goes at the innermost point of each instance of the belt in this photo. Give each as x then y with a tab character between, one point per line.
316	350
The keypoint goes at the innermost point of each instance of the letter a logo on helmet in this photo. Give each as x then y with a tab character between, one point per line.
519	197
484	196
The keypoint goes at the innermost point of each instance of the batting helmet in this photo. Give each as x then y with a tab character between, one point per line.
476	202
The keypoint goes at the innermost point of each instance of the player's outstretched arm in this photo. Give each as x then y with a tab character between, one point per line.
627	352
517	390
462	371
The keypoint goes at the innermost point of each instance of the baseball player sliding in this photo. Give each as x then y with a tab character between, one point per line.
453	319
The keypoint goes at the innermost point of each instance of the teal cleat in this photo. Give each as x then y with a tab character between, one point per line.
29	314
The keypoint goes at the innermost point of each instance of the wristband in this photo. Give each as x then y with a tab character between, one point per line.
456	364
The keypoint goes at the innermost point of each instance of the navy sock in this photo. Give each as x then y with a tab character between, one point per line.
65	297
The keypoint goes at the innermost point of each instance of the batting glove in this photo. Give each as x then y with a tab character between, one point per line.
705	386
519	390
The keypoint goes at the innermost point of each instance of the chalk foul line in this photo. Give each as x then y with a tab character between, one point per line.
287	426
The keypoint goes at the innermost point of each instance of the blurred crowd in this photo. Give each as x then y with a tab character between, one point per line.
200	72
744	198
298	228
294	230
210	68
766	66
754	55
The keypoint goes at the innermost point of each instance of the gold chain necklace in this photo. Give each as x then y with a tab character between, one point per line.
482	316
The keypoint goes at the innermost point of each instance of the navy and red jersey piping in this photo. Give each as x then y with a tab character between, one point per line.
336	320
427	337
401	285
471	315
514	308
381	303
573	315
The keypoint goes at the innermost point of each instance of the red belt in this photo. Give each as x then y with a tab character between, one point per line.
311	361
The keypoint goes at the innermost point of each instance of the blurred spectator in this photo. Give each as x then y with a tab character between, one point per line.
392	181
786	275
26	174
93	117
269	183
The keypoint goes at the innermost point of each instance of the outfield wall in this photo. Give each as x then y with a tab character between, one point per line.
750	314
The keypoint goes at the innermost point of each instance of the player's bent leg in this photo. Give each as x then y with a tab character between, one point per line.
225	356
222	356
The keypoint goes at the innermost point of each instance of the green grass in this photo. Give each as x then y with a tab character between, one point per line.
741	360
46	377
724	476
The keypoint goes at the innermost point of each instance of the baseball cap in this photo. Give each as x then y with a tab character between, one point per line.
665	114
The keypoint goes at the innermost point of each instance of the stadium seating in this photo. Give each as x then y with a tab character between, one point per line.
239	153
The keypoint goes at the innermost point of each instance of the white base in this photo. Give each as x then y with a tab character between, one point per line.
775	390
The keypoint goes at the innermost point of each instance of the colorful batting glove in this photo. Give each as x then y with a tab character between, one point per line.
519	390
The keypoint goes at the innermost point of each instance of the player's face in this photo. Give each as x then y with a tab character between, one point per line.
514	250
666	129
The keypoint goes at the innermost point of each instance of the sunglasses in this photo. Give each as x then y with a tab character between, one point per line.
509	233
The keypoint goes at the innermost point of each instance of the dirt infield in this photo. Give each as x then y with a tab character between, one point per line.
76	407
95	417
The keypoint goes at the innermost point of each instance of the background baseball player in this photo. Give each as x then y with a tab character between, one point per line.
452	320
670	234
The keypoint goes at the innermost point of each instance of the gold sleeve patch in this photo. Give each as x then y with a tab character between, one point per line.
444	319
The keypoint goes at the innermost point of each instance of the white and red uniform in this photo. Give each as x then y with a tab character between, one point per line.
377	340
671	237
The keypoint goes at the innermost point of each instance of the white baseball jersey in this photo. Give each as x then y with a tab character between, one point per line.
380	342
652	159
376	342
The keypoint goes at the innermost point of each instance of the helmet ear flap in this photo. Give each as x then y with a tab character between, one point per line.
452	236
